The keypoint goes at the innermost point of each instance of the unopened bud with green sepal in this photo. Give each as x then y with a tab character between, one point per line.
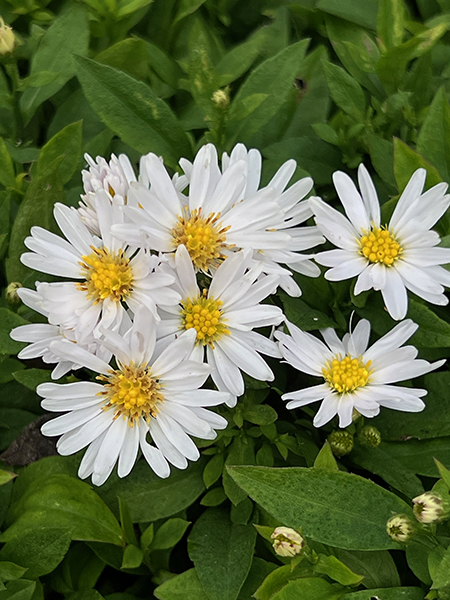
401	528
287	542
431	507
341	442
369	436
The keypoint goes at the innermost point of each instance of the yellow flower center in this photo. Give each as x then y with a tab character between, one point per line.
379	246
205	316
204	238
133	392
346	374
108	275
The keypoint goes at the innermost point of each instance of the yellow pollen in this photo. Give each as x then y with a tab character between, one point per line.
346	374
379	246
108	275
204	237
205	316
133	393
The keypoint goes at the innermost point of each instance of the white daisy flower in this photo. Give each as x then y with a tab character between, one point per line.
223	317
144	395
109	275
212	222
392	258
356	377
39	336
114	178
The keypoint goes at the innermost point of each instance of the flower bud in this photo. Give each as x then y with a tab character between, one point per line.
430	507
221	98
287	542
7	38
400	528
341	442
11	295
369	436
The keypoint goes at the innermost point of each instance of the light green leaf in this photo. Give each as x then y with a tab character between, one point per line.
6	476
9	320
390	23
31	378
132	110
336	570
128	7
7	173
63	502
65	146
238	60
185	586
406	161
40	79
441	574
169	534
400	593
364	14
187	7
150	497
40	550
378	567
130	55
214	497
433	142
20	589
222	553
443	472
273	77
433	332
10	571
317	502
242	452
68	35
213	469
164	66
132	557
308	588
345	91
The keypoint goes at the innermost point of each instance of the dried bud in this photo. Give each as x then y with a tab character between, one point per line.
11	295
221	98
341	442
7	38
287	542
400	528
430	508
369	436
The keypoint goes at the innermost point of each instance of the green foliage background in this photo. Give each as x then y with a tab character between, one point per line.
330	83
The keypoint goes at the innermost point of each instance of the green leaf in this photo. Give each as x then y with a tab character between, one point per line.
150	497
36	209
128	7
260	414
133	111
126	522
345	91
417	552
433	332
132	557
390	23
400	593
239	60
242	452
7	173
147	536
316	501
308	588
441	574
382	157
20	589
63	502
260	569
407	161
40	550
433	141
10	571
9	320
222	553
187	7
6	476
336	570
378	567
169	534
66	146
213	469
274	78
325	459
364	14
214	497
395	426
443	472
185	586
130	55
418	456
164	66
68	35
302	315
31	378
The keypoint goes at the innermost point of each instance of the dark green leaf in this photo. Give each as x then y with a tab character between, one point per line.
364	14
302	315
378	567
169	534
325	459
417	456
186	586
7	174
9	320
433	141
213	469
222	553
336	570
10	571
6	476
20	589
130	55
31	378
308	588
345	91
406	161
214	497
317	502
132	557
400	593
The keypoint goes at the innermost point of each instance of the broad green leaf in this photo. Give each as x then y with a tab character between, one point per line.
68	35
242	452
10	571
433	142
325	459
36	209
302	315
6	476
309	588
222	553
364	14
260	569
147	536
7	174
65	146
382	156
127	7
392	471
407	161
19	589
239	60
418	455
395	426
129	535
390	23
164	66
213	469
63	502
9	320
345	91
187	7
132	557
337	570
317	502
433	332
130	55
214	497
378	567
400	593
150	497
443	472
441	575
39	79
169	534
40	550
278	578
132	110
31	378
274	77
417	552
185	586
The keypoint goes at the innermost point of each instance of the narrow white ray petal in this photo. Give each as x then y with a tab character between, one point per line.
306	396
170	452
75	353
73	228
205	176
109	451
203	397
70	421
153	456
345	410
369	195
351	201
228	372
175	353
392	340
359	339
61	404
334	258
75	440
87	463
410	193
282	177
328	409
178	437
67	391
245	358
394	295
347	270
186	273
162	185
332	340
129	450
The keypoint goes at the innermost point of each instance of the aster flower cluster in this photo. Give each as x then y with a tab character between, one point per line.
163	282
